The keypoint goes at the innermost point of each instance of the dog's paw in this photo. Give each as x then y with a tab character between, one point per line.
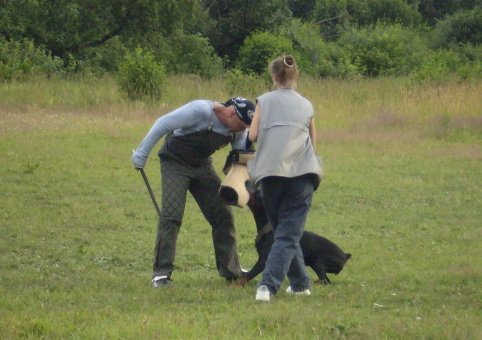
324	282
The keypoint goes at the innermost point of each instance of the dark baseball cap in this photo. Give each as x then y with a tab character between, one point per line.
244	108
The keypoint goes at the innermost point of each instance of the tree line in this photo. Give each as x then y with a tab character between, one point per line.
330	38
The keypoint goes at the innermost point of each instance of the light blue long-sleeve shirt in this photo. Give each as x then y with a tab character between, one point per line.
197	115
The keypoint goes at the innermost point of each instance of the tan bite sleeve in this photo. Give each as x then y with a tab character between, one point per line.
233	189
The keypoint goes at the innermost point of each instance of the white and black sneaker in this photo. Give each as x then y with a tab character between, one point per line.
306	292
263	294
162	281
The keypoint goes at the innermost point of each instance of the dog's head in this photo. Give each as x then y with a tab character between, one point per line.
336	265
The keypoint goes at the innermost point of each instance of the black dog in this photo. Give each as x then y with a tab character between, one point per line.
322	255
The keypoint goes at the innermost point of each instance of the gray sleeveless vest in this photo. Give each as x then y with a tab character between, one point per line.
284	146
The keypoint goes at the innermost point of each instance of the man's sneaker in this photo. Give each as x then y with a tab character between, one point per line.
162	281
263	294
301	292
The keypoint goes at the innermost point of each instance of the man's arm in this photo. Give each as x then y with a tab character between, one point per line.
180	118
241	142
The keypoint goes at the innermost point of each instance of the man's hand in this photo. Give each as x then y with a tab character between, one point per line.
138	162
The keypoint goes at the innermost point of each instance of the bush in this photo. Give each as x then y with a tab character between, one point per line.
383	50
140	76
334	62
442	65
259	49
20	60
437	65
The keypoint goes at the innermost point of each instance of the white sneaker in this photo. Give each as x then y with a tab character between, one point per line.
263	294
303	292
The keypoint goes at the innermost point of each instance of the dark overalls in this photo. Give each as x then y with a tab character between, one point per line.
186	165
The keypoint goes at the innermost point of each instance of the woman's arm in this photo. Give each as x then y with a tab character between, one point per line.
253	129
313	133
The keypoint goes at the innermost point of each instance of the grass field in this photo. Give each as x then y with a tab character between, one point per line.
401	193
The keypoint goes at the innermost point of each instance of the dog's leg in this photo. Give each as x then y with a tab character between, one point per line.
319	268
263	252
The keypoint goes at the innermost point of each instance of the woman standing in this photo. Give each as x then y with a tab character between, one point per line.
287	171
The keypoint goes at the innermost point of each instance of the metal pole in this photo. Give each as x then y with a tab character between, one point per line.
153	198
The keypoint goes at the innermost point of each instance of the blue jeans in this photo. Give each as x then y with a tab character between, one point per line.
287	202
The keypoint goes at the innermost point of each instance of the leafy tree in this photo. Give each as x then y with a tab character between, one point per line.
181	52
331	16
187	54
334	15
306	41
98	60
434	10
191	36
385	11
463	27
66	27
302	9
236	20
317	57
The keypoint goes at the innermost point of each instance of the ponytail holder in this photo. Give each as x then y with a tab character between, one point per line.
284	61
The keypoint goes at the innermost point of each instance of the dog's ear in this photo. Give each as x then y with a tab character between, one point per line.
232	157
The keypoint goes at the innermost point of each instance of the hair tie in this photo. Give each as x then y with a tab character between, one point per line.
284	61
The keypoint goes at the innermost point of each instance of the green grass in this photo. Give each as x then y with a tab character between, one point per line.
402	193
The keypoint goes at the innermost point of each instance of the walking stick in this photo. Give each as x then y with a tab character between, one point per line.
153	198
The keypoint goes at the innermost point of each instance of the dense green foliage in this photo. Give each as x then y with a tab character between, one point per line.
463	27
362	13
331	38
383	50
21	59
259	48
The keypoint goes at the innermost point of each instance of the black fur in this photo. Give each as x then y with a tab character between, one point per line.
321	254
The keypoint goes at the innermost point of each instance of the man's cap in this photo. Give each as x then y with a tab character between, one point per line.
244	108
